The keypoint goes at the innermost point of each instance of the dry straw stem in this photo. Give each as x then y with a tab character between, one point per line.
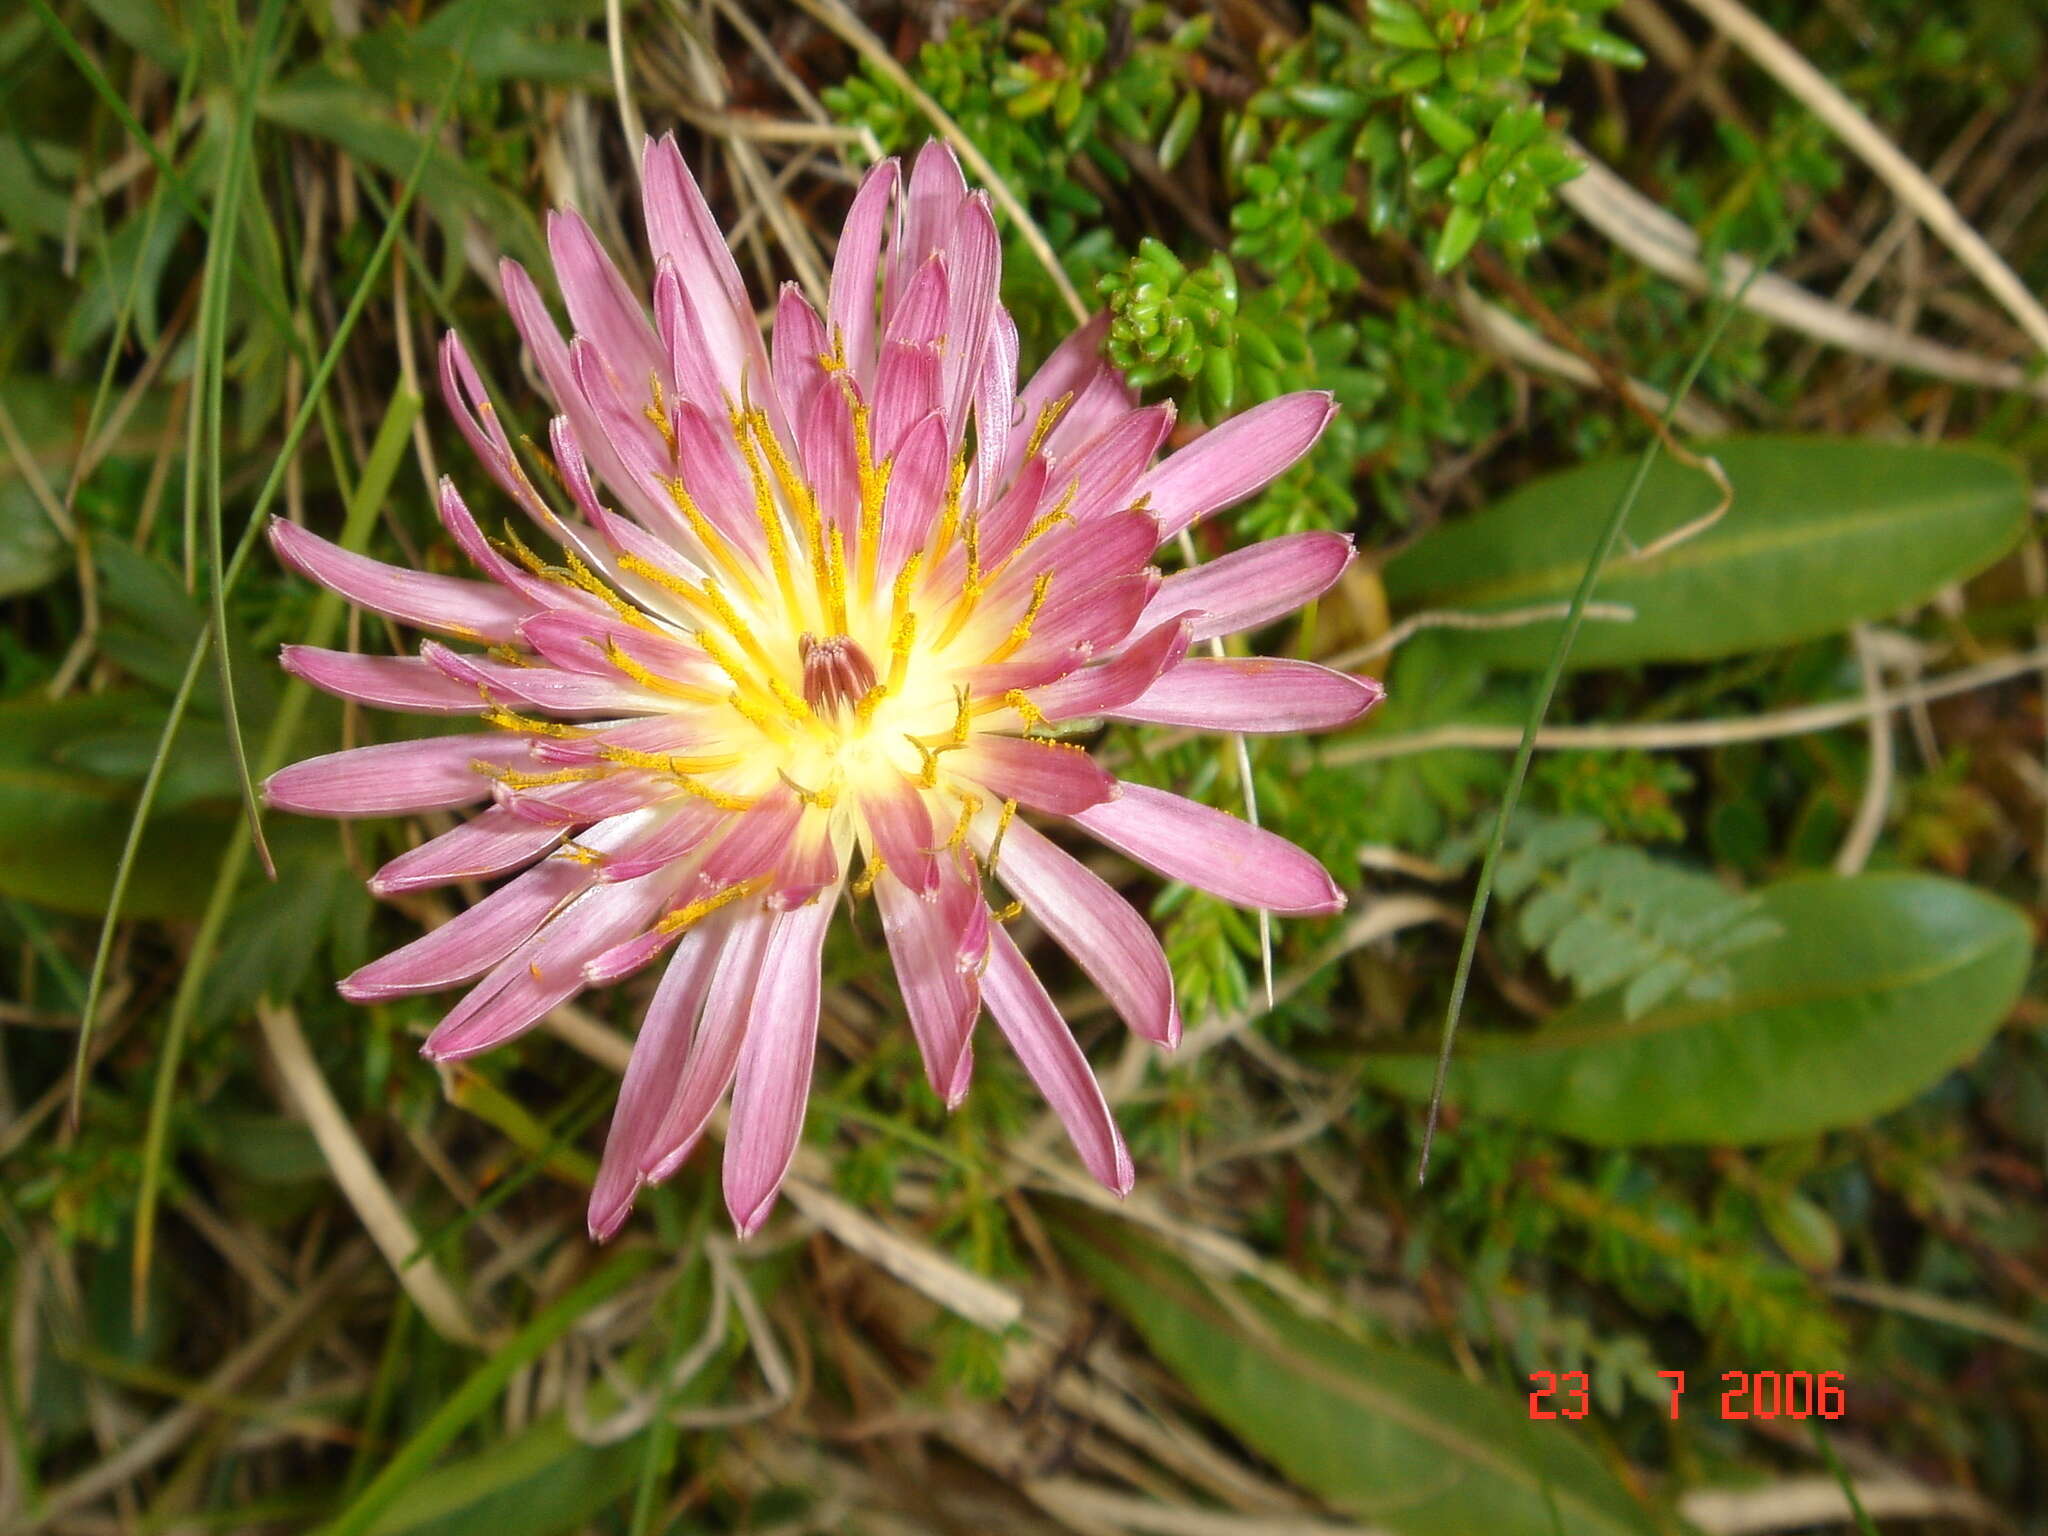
374	1204
918	1265
161	1438
1519	344
856	33
1665	245
1092	1506
1685	735
1801	1502
1909	183
1790	1505
1941	1309
1877	786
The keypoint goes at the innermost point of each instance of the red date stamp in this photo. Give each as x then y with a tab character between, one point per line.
1744	1395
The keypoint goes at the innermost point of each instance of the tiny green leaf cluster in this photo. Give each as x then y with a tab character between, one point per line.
1607	915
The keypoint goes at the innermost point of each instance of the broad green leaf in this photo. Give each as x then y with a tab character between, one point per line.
31	552
1875	987
537	1483
1383	1434
1823	533
61	823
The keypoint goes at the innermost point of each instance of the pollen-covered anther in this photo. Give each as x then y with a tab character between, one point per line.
837	673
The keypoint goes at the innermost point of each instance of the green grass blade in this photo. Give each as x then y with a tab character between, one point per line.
315	400
386	453
473	1399
170	175
213	322
1865	1526
1539	707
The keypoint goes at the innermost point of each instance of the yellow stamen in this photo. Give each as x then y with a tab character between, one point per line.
654	682
683	917
864	882
901	640
995	847
663	763
1009	914
835	581
1032	716
765	510
1048	417
1021	630
507	720
795	490
713	541
576	853
513	779
657	412
970	807
545	459
956	479
874	485
511	655
823	799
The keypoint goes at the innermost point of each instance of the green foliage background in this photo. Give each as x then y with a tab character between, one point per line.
1754	1076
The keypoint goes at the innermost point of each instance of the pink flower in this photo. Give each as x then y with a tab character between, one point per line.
820	643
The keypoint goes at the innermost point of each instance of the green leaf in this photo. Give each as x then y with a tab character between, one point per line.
537	1483
1823	533
58	818
1383	1434
31	553
1460	233
1875	987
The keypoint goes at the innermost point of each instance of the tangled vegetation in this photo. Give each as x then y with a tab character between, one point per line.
1750	1076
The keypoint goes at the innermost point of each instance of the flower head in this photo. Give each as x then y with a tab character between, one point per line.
811	632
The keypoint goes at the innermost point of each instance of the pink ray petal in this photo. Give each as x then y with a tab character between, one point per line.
462	387
490	843
1017	1001
917	491
1117	681
548	688
545	971
1252	694
995	404
906	391
1252	586
1091	922
451	605
407	683
1229	462
938	951
715	1051
652	1073
601	306
797	347
393	778
918	318
1212	851
1109	468
856	264
681	228
773	1083
473	940
899	820
974	264
932	201
1055	777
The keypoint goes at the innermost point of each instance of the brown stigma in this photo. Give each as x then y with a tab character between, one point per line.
837	673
